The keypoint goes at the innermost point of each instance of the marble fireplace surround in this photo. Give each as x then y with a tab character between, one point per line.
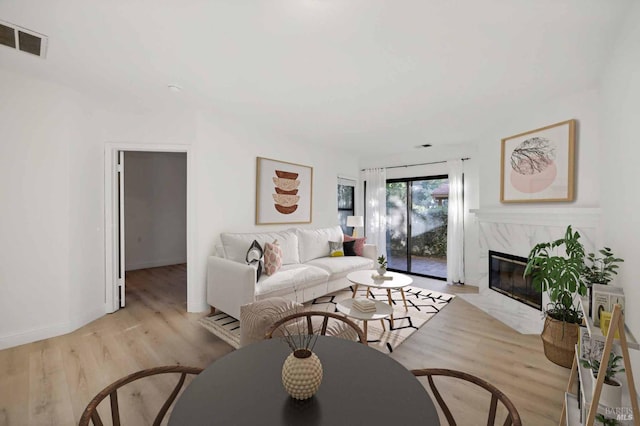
515	231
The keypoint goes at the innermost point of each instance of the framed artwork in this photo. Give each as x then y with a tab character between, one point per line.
284	192
538	166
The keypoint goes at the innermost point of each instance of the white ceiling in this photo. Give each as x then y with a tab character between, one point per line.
373	74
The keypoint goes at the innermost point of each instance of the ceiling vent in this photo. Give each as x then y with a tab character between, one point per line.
23	39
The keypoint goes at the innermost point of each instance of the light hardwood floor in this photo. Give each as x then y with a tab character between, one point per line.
50	382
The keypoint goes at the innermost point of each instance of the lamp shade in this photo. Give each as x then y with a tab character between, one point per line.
355	221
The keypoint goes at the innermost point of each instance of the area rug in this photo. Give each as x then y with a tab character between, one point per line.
422	306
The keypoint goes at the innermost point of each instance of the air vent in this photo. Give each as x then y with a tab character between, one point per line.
426	145
23	39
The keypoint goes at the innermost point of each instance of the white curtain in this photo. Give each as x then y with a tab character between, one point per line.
455	226
376	208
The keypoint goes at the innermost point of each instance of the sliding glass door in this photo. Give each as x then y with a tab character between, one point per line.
417	225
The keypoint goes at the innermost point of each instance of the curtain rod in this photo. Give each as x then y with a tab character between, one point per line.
419	164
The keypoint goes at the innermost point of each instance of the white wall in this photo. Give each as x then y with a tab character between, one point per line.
155	209
620	151
52	271
582	106
37	121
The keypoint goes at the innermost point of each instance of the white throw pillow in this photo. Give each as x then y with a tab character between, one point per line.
314	243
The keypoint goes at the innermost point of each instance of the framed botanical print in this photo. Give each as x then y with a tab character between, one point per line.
284	192
538	166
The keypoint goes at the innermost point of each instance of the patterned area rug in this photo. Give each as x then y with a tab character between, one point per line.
422	306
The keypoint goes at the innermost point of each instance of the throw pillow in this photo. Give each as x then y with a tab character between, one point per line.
335	249
359	246
349	248
254	258
272	258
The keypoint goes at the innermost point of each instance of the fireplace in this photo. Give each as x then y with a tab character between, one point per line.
506	277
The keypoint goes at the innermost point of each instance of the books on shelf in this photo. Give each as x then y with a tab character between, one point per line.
364	305
603	299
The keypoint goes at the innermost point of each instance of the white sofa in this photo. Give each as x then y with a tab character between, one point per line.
307	270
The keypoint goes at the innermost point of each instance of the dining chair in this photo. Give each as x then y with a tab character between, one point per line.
91	412
512	418
318	322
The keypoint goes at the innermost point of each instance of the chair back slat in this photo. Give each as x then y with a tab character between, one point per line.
115	411
513	417
443	405
325	323
90	413
491	420
169	401
309	325
95	418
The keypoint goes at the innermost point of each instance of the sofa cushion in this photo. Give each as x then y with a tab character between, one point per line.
349	248
236	244
335	249
314	243
339	267
289	279
272	258
359	243
256	318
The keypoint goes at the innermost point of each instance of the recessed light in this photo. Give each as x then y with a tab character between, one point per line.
174	88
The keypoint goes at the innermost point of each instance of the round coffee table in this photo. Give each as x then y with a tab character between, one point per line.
367	278
382	311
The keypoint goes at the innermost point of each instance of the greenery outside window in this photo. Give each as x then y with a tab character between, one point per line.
346	195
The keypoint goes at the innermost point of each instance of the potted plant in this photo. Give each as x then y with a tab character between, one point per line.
556	267
382	265
606	421
600	270
611	393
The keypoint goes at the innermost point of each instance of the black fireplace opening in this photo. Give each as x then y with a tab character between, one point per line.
506	276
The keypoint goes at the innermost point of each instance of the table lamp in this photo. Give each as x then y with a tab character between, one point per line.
355	222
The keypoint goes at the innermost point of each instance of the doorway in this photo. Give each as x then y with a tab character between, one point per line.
157	251
417	215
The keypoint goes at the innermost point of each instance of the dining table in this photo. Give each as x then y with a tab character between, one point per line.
360	386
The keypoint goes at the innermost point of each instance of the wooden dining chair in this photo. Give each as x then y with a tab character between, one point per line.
512	418
330	325
91	412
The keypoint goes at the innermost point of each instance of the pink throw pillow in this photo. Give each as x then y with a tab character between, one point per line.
359	246
272	258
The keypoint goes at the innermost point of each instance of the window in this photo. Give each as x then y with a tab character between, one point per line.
346	195
417	211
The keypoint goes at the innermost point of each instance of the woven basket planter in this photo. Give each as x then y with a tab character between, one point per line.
559	339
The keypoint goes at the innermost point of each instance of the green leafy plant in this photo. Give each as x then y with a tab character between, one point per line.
601	269
560	274
382	261
606	421
613	366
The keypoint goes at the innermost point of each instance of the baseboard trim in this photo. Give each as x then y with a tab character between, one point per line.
155	263
55	330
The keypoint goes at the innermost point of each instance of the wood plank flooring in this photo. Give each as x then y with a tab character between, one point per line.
50	382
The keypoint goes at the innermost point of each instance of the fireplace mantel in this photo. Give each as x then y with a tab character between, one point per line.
552	216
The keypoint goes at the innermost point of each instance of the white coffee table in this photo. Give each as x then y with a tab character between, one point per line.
382	311
366	278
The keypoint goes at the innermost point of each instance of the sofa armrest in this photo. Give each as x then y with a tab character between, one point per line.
229	285
370	251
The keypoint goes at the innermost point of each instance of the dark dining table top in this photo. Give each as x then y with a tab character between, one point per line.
360	386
